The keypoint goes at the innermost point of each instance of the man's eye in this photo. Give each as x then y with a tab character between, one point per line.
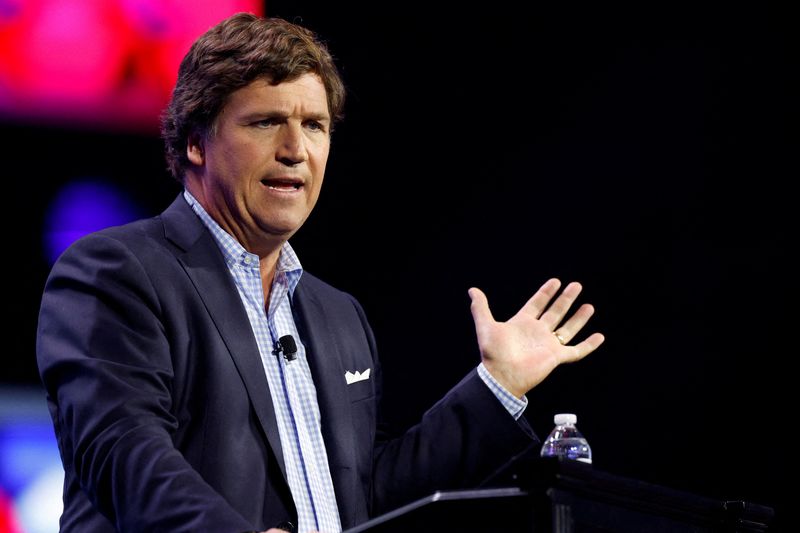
314	125
265	123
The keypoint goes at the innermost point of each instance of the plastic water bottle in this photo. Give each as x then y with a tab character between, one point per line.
566	441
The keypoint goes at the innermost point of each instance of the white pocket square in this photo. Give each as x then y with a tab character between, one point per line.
353	377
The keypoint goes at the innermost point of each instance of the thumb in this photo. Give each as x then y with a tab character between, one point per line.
479	307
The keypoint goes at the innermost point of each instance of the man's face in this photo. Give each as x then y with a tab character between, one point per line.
259	175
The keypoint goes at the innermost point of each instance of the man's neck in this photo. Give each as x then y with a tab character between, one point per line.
267	265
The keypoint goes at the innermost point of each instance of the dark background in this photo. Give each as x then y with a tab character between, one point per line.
647	152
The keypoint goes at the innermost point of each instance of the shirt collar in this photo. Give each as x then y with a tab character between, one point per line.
235	253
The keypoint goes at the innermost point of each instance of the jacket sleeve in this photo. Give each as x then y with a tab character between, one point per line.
105	363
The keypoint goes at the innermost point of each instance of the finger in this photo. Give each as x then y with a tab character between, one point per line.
481	314
558	309
539	301
571	327
582	349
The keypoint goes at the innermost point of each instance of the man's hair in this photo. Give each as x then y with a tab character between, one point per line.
229	56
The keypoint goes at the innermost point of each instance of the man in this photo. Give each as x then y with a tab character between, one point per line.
198	379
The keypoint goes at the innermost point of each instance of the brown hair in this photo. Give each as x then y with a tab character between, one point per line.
229	56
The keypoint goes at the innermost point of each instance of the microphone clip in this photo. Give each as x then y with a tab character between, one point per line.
286	345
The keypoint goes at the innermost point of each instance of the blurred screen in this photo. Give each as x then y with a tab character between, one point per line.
110	63
31	475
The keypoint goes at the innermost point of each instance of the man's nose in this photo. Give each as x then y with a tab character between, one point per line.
291	146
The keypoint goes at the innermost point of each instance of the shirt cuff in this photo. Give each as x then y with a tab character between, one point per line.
515	406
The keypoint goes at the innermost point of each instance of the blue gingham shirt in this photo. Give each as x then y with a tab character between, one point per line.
291	386
292	390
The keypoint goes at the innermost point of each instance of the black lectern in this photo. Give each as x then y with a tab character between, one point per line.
563	496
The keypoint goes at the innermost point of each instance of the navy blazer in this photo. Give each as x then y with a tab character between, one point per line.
161	405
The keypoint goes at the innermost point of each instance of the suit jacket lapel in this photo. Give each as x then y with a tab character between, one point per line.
206	267
325	362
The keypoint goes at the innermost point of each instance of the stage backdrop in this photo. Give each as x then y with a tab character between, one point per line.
645	152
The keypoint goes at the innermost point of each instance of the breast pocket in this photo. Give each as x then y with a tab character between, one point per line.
360	384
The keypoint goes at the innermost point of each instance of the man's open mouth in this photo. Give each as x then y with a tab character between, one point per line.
282	184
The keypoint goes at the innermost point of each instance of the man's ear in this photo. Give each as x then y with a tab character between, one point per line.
194	149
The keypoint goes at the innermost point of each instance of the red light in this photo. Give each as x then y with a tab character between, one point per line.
105	62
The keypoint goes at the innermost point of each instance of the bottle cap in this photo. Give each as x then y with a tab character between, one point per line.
565	419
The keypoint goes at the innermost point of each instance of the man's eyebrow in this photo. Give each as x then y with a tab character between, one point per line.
321	117
272	113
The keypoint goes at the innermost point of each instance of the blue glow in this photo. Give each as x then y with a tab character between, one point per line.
31	475
25	446
81	207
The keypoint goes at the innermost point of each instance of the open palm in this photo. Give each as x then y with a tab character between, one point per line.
522	351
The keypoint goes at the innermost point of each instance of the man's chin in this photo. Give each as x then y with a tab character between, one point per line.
282	230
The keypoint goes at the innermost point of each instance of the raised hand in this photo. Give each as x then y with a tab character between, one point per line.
521	352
